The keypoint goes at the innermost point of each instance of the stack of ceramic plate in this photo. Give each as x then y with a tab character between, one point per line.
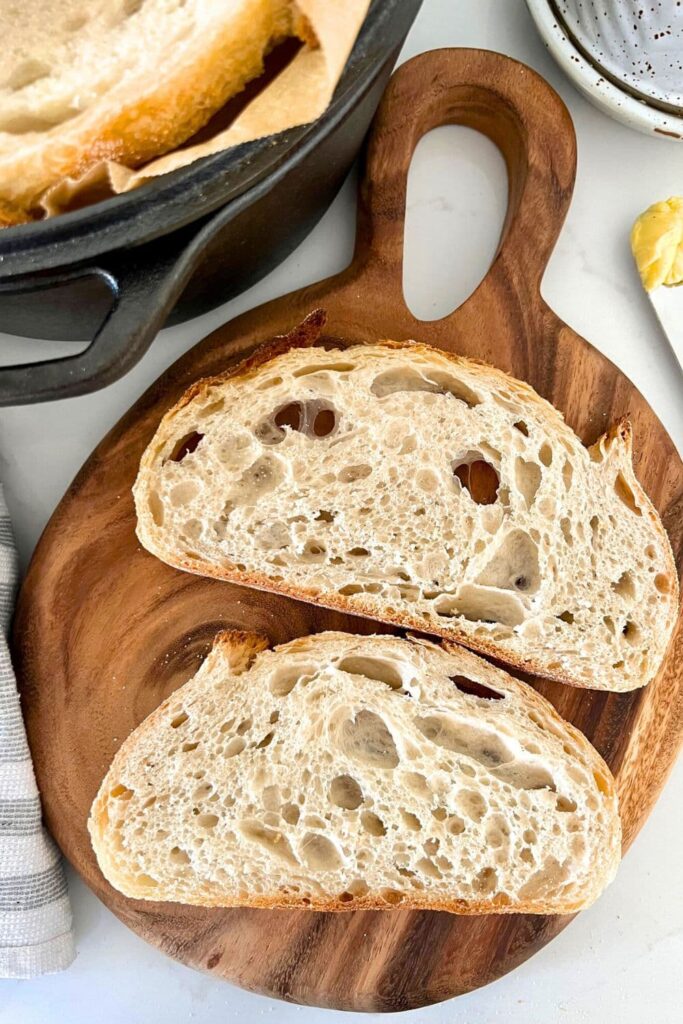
626	56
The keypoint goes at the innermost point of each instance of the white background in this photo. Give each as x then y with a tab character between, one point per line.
622	960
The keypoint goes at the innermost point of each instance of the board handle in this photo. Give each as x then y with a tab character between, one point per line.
521	114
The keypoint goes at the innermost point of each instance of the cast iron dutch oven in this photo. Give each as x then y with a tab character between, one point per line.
187	241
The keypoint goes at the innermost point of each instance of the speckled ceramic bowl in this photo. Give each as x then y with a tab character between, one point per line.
626	57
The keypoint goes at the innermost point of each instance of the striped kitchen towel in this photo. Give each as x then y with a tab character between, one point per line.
35	916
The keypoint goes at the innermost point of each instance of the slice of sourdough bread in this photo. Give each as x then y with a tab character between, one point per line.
407	484
339	772
83	81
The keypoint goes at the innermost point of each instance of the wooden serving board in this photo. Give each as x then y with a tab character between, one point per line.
104	631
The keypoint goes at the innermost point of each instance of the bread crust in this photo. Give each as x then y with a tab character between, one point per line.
151	115
10	215
232	645
460	907
616	443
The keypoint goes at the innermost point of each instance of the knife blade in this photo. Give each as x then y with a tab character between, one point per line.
667	302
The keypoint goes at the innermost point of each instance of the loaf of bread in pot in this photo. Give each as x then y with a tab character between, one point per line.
425	490
82	81
340	772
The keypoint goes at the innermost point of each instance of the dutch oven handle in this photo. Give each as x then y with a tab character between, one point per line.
145	283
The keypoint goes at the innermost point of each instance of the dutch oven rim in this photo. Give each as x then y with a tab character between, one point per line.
174	200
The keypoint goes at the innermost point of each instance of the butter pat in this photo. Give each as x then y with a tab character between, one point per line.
657	244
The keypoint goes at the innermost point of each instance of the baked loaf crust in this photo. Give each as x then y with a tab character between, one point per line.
406	484
340	772
83	81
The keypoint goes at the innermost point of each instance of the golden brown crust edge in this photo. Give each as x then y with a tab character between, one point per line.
304	335
334	906
11	215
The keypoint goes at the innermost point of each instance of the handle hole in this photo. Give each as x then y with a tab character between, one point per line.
455	210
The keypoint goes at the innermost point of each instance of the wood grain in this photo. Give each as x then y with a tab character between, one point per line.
104	631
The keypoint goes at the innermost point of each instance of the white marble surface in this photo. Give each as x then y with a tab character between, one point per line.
622	959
